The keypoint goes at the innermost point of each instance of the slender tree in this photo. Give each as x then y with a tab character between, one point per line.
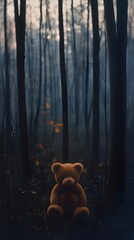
87	80
76	78
45	43
40	72
4	162
8	114
7	179
96	80
117	45
20	18
30	57
63	84
118	153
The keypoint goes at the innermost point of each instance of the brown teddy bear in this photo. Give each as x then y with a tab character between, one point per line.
68	198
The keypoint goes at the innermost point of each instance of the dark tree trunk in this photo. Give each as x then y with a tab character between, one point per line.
96	82
30	74
87	82
64	85
5	184
117	43
118	137
20	41
35	127
7	97
76	78
45	43
2	162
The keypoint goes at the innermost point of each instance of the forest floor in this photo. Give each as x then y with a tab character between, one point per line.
23	216
33	225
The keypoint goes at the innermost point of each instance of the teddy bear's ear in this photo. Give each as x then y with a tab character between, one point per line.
78	167
56	167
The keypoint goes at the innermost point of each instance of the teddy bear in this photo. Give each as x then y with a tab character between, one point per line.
68	198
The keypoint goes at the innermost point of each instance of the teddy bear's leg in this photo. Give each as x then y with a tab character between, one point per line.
81	215
55	213
55	210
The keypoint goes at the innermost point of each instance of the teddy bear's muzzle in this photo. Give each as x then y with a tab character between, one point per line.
68	182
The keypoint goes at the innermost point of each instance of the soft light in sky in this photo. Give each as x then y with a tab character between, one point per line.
33	6
33	13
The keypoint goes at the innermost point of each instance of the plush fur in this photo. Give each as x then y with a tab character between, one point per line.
68	197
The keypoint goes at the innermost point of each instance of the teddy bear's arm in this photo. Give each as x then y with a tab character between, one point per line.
54	198
81	195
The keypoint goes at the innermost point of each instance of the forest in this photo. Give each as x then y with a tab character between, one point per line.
66	87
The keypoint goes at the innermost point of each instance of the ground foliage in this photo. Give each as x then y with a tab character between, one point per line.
25	216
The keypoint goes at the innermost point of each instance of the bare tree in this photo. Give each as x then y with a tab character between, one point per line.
117	45
40	73
5	191
64	85
76	78
87	115
20	18
7	96
96	80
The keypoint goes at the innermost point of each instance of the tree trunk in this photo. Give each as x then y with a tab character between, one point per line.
76	78
118	137
87	82
35	127
8	114
96	82
117	43
5	179
20	45
64	85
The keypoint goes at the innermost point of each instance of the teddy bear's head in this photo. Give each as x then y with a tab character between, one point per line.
67	174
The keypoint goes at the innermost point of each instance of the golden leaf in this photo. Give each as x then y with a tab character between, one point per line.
51	123
47	105
59	124
57	130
